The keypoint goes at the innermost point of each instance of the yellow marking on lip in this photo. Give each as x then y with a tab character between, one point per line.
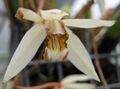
53	43
57	42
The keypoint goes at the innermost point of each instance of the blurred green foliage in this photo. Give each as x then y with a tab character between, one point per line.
66	8
114	31
15	5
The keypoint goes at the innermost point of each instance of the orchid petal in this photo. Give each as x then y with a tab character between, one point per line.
80	86
26	50
71	82
79	56
53	14
87	23
73	78
28	15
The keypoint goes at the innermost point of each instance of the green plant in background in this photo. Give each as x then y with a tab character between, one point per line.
66	8
114	31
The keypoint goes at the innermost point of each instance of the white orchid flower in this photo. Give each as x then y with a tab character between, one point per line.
61	41
76	82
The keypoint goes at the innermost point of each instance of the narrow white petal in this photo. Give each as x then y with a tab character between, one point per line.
79	56
26	50
87	23
27	14
80	86
53	14
73	78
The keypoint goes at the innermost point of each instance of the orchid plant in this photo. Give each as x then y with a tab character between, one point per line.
62	43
